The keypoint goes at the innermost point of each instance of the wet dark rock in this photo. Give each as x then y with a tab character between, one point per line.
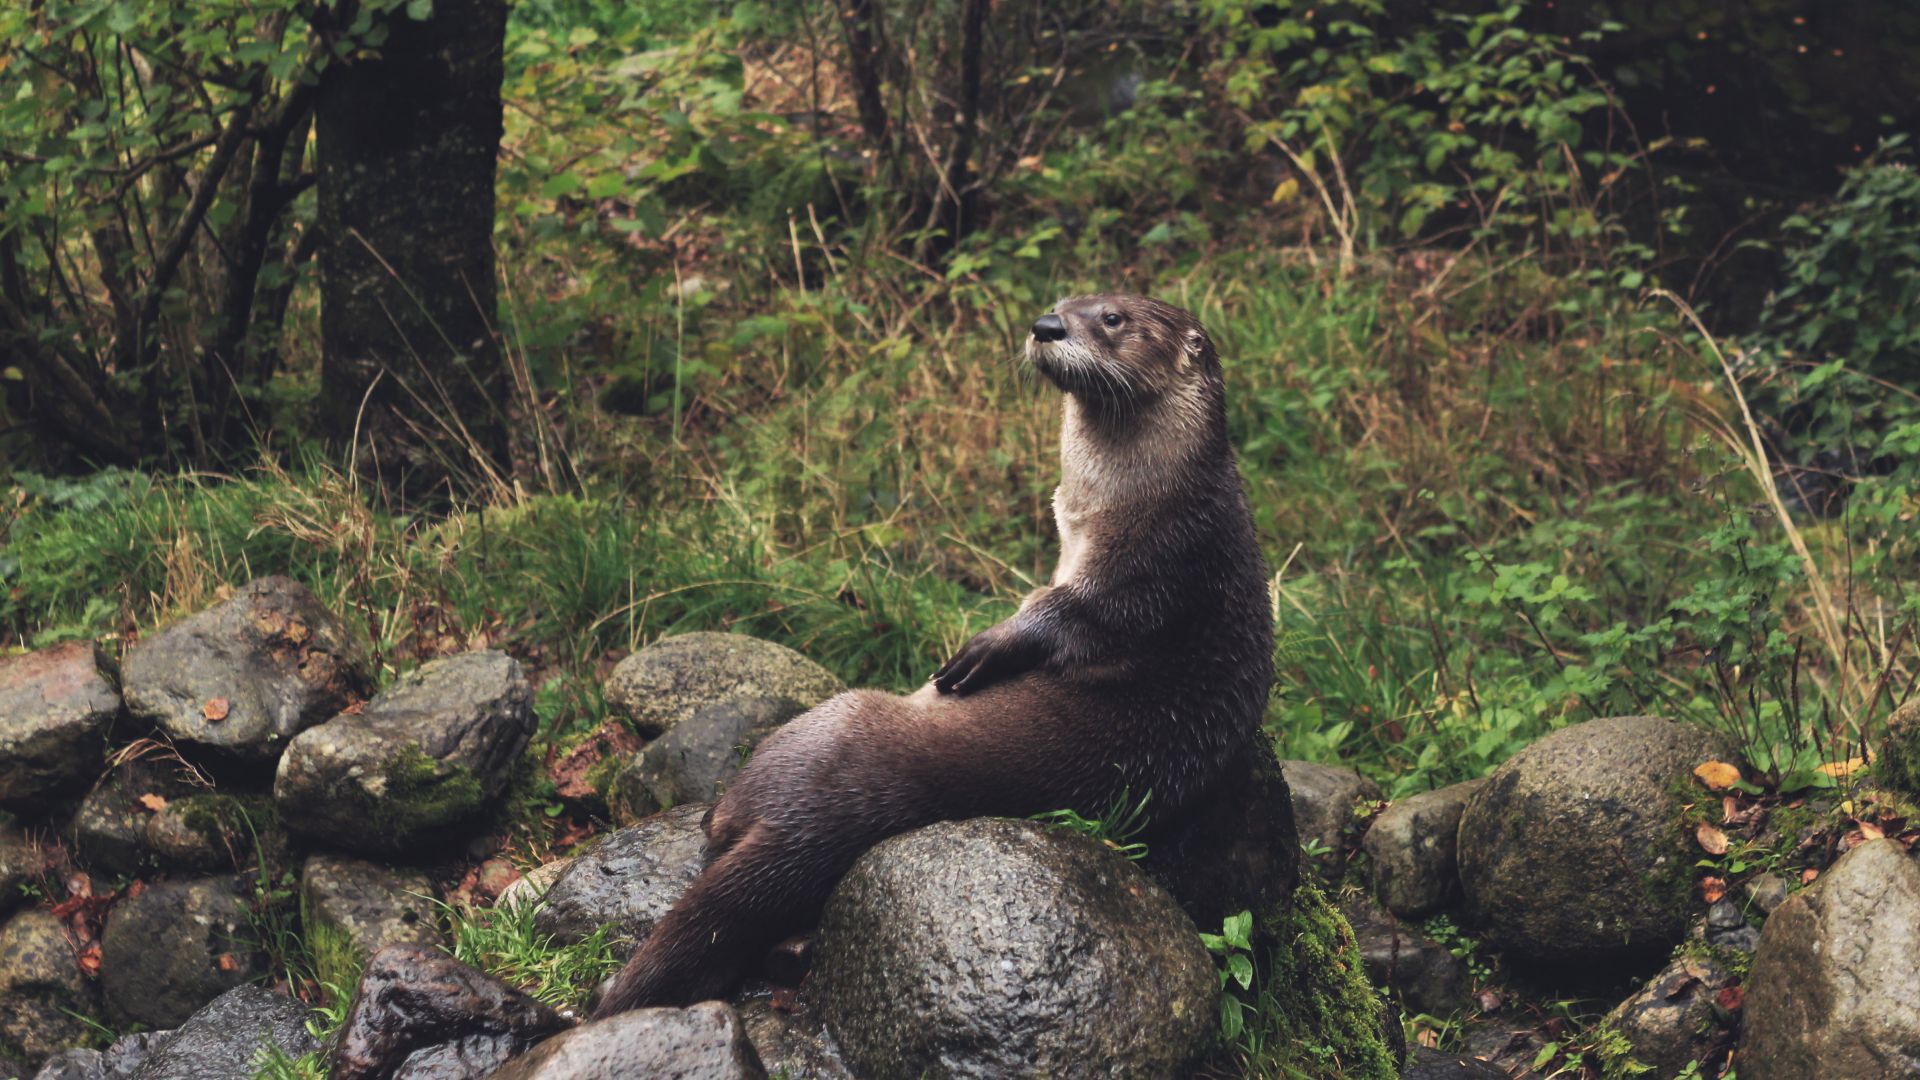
1324	797
792	1042
675	677
992	947
629	879
373	905
228	1038
245	676
427	755
1411	851
1236	849
1431	1064
1834	989
1727	928
1573	849
1672	1020
1427	978
210	830
172	948
110	828
703	1042
55	707
697	756
21	861
41	987
116	1062
419	1014
1509	1048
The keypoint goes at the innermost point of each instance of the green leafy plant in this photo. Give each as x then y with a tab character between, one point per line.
1232	948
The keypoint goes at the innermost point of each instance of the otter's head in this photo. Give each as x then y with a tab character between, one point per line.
1124	352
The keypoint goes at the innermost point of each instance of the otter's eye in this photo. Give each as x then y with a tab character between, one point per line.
1113	318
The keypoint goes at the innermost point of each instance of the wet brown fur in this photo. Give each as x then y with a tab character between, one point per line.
1142	667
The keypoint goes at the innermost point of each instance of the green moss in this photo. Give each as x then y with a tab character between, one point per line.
1738	964
1898	763
1615	1055
424	793
1319	1018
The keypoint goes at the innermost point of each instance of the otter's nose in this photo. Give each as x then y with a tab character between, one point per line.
1049	328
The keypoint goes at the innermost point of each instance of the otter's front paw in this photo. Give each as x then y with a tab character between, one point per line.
992	656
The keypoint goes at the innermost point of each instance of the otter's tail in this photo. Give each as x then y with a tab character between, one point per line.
753	894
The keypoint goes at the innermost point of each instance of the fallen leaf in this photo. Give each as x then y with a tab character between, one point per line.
90	958
227	962
1488	1001
1807	875
1713	889
1712	840
1841	770
216	709
1870	831
1730	998
1729	809
155	803
1717	775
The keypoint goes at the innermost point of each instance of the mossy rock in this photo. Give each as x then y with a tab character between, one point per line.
1322	1019
1898	765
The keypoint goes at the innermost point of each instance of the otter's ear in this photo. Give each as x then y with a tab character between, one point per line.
1194	346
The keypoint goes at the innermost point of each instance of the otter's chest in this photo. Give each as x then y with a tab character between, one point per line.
1077	526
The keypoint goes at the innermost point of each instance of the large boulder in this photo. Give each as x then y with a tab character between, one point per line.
1412	853
1574	850
212	830
1835	990
1324	798
369	904
419	1014
245	676
230	1038
425	756
629	879
702	1042
43	995
991	948
171	948
675	677
55	708
1672	1021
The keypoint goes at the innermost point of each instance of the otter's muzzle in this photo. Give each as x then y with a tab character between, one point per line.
1049	328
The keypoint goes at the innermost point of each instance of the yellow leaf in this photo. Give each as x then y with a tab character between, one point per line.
1717	775
1841	770
1286	191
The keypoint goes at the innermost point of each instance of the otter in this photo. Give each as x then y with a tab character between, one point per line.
1140	670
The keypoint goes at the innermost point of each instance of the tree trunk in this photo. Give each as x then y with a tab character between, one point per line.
406	140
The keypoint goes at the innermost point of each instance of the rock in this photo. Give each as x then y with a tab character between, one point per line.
1427	977
426	755
1236	849
110	827
629	879
675	677
1834	989
116	1062
21	862
1898	763
211	830
227	1038
247	675
697	755
702	1042
1670	1022
533	885
372	905
1727	928
55	707
1431	1064
1323	800
1573	849
1505	1046
173	947
41	987
1411	850
422	1015
1766	892
792	1042
992	947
